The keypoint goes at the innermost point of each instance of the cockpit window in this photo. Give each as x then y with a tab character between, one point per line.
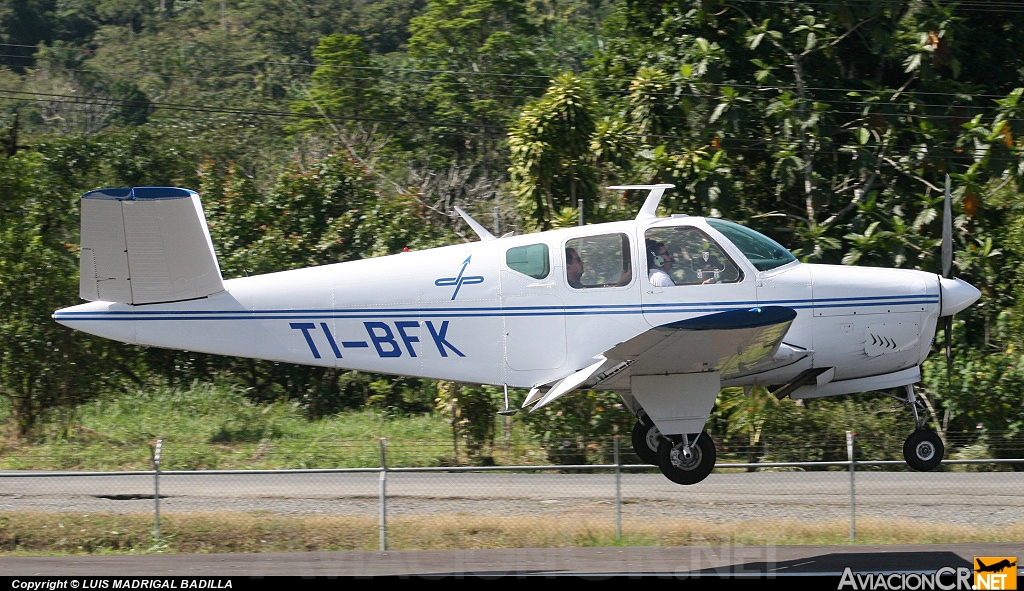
762	252
686	256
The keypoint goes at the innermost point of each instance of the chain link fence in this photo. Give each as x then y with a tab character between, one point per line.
608	498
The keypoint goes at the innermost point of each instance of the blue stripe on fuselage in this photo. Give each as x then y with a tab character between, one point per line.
471	312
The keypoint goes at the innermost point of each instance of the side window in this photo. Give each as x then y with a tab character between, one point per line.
687	256
529	260
598	261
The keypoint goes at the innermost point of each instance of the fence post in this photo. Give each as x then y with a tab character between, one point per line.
383	494
154	454
853	497
618	492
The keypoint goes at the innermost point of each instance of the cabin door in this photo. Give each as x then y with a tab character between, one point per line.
532	309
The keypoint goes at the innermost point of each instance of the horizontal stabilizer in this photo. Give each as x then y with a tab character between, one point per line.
146	245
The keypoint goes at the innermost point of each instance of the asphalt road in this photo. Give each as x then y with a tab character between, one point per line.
663	562
967	499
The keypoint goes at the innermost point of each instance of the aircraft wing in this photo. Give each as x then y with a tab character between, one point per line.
731	343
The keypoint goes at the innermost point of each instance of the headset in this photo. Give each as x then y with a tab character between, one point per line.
652	247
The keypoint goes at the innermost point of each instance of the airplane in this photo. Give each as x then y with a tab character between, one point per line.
729	307
996	567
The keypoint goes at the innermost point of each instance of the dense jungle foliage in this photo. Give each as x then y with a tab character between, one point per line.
333	130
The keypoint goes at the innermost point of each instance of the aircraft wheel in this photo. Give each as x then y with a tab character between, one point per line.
683	470
645	442
923	450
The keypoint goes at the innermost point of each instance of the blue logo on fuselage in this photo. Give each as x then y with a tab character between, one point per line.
460	280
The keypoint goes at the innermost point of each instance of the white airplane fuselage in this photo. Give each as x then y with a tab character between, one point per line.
462	313
663	311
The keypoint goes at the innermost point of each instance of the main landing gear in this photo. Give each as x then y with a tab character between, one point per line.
646	438
686	459
923	449
683	459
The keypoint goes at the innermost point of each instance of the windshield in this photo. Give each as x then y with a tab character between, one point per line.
763	252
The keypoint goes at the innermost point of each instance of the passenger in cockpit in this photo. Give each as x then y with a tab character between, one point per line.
573	268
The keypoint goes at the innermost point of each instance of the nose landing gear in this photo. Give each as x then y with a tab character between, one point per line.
923	449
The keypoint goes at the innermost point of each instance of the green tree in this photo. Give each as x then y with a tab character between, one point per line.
815	122
23	25
552	163
471	412
569	427
344	85
482	68
745	411
44	366
325	212
984	398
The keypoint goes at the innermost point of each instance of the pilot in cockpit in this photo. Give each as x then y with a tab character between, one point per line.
659	264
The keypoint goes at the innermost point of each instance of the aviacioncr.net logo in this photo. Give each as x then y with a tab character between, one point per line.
946	578
992	573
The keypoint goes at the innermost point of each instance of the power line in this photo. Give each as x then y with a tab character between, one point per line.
42	97
876	107
472	74
732	144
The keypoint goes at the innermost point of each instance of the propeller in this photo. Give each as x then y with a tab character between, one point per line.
947	273
947	234
954	294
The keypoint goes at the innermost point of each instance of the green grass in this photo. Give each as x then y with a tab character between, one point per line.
208	427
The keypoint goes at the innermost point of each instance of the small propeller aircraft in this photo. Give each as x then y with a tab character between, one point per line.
664	311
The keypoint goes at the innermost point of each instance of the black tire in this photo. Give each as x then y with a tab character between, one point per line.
645	442
923	450
691	471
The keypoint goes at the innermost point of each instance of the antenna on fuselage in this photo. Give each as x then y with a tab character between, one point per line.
479	229
650	206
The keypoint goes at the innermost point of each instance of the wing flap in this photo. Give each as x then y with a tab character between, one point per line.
568	384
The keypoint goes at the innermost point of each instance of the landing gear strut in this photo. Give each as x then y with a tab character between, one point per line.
686	459
923	449
646	438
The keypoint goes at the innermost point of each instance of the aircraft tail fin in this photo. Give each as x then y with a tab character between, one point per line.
146	245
